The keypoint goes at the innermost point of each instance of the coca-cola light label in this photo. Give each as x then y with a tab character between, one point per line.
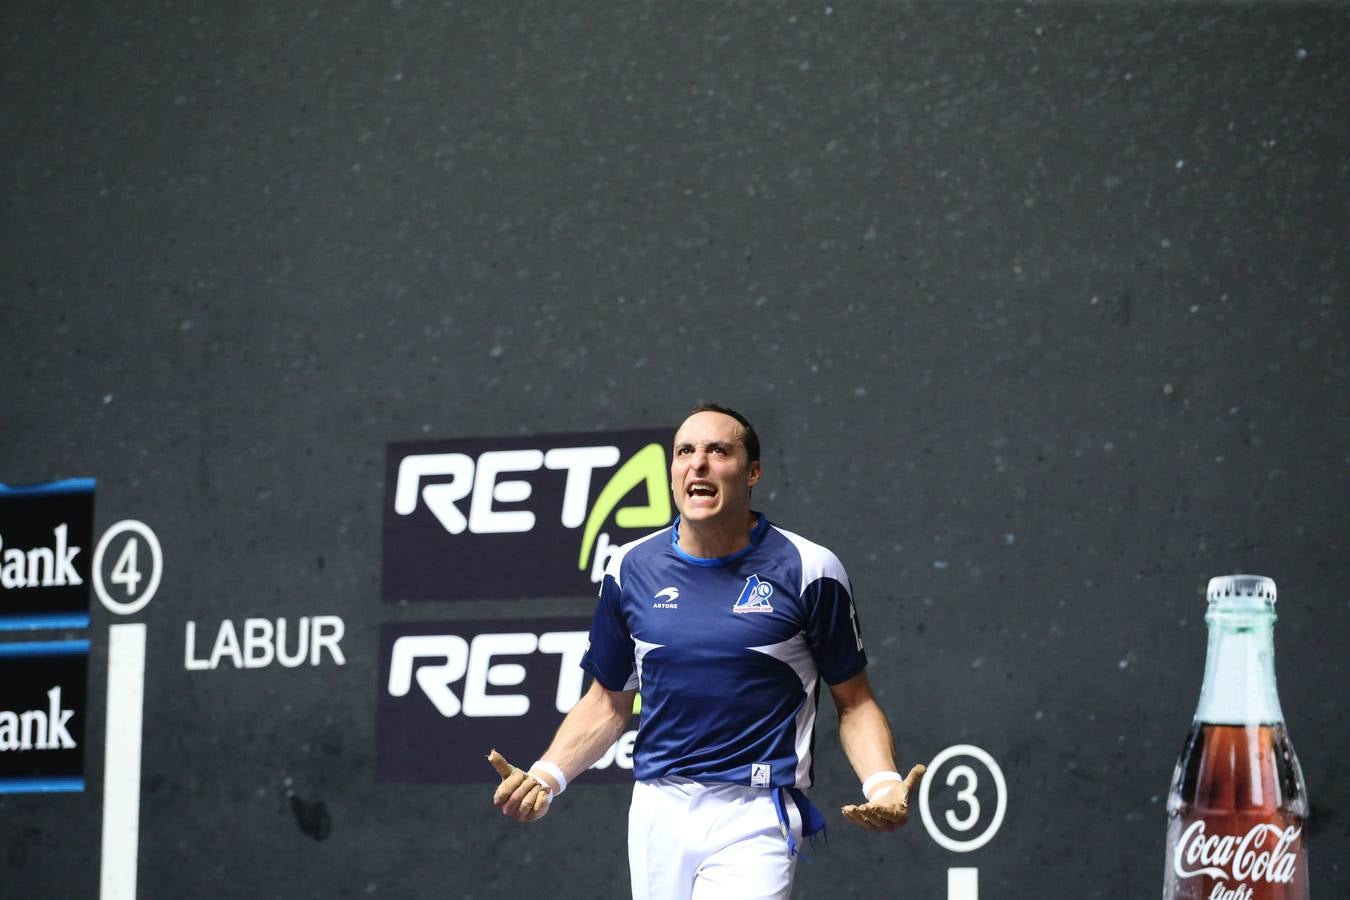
1262	854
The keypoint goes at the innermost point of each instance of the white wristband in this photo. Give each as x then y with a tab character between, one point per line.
552	770
874	780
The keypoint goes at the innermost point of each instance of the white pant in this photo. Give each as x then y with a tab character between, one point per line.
691	841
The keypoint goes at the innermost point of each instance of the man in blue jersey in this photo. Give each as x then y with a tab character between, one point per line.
725	623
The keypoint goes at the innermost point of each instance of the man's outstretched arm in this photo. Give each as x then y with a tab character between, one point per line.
585	734
865	735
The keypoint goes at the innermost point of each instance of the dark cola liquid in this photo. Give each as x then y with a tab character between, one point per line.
1235	817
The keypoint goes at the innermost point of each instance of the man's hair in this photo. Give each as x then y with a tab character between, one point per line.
748	435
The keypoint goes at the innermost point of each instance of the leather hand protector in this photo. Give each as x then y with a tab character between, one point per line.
520	795
890	808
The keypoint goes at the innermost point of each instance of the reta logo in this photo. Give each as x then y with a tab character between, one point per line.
459	477
37	729
40	566
440	660
447	689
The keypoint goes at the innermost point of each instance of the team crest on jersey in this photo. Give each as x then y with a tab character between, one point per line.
754	597
666	597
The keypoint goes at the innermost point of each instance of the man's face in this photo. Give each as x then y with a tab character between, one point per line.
710	472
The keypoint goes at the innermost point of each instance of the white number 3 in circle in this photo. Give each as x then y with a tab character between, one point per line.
966	795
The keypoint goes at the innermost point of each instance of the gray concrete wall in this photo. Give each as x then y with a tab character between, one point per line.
1041	311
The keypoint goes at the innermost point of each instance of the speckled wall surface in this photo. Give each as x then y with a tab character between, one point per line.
1041	310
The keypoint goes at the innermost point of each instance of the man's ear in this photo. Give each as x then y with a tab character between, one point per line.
752	478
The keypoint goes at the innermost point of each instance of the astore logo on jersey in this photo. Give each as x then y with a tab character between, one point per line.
754	596
671	594
460	516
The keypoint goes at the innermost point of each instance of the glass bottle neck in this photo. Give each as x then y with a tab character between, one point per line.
1239	687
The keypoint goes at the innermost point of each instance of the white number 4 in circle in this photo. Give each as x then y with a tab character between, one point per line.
126	571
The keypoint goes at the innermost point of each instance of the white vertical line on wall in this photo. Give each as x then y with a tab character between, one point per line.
122	761
963	884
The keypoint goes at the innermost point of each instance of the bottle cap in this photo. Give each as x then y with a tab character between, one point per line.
1241	586
1241	593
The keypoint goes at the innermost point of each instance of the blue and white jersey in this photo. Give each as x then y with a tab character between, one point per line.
727	653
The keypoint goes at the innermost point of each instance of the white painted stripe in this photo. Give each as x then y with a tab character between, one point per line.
122	761
963	884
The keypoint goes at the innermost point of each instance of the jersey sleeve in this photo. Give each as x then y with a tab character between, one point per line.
609	652
832	630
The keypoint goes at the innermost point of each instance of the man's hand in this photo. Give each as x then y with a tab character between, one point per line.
522	796
889	807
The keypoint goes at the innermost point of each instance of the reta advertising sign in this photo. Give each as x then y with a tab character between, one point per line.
535	516
451	691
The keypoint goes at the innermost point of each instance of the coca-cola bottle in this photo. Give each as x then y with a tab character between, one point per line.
1237	806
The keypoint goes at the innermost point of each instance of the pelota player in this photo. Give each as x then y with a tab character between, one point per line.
725	623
